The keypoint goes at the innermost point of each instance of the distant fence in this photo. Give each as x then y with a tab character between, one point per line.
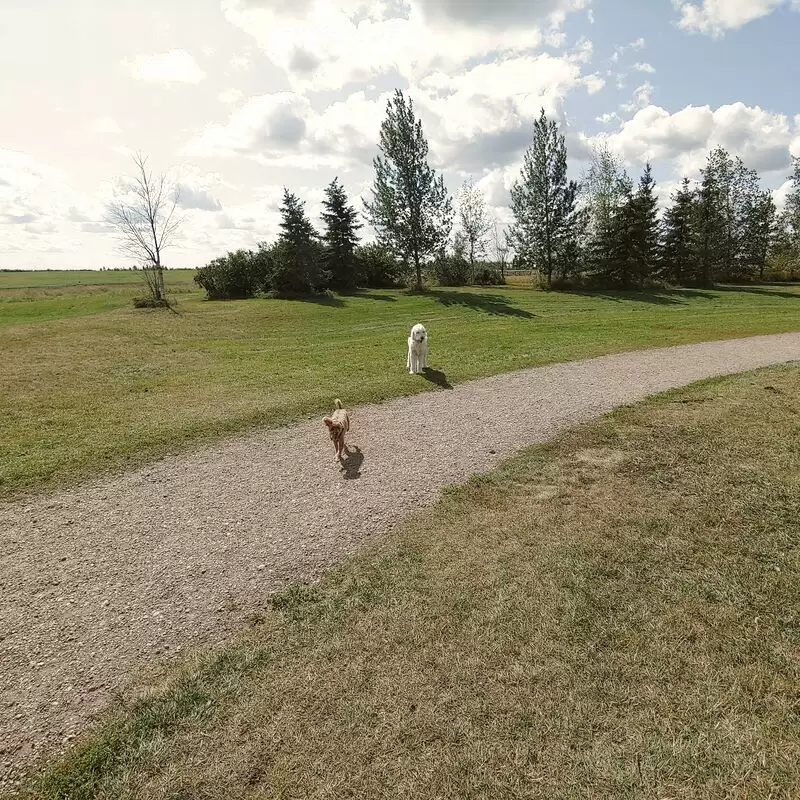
514	272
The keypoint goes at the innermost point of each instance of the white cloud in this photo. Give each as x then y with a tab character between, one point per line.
643	66
715	17
594	83
284	129
324	46
762	139
642	97
476	116
105	125
176	66
41	212
482	117
230	96
240	62
608	117
780	194
636	44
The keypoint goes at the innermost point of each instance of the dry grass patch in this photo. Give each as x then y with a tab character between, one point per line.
613	615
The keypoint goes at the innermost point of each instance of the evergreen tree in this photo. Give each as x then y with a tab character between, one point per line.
679	265
297	258
644	229
613	230
340	236
410	209
543	203
758	230
710	222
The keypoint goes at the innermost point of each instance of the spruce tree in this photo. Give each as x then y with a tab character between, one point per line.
297	257
644	229
678	264
543	203
340	237
411	210
710	222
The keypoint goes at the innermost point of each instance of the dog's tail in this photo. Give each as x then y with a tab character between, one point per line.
337	403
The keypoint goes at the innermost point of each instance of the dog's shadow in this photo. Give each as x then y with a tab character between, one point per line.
437	377
351	463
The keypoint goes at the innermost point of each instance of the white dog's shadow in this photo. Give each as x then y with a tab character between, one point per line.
352	462
437	377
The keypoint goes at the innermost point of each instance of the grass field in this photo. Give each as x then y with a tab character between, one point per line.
91	384
613	615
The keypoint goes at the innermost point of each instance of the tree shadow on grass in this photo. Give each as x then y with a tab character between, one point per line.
493	304
365	295
330	300
764	289
351	464
658	297
437	377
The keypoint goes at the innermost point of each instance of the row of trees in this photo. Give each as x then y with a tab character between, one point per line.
602	230
605	231
301	260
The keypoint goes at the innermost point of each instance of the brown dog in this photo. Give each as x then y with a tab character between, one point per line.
338	425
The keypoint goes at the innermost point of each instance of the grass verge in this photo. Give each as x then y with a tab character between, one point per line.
91	384
611	615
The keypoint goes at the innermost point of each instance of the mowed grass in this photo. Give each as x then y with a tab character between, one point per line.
613	615
36	296
91	384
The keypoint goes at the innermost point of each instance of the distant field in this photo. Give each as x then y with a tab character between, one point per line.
92	384
35	296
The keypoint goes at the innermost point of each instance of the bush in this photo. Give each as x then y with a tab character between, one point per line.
488	275
377	267
296	270
451	270
235	276
149	302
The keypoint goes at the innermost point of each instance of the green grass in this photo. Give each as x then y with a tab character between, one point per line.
36	296
613	615
91	384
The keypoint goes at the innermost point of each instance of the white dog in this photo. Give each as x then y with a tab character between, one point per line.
417	359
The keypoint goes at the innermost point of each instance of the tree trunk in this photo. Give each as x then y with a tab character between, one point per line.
419	270
162	295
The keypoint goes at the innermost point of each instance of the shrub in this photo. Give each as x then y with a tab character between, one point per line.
296	270
451	270
488	275
378	268
235	276
150	302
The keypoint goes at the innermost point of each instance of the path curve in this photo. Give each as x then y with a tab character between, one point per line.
101	580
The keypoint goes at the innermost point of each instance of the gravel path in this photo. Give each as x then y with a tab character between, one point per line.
100	581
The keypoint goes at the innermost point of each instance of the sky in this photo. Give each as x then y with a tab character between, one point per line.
235	99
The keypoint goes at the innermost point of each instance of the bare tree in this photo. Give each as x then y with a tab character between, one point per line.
146	224
501	248
475	220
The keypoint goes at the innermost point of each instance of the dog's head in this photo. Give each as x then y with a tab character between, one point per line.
335	429
418	333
